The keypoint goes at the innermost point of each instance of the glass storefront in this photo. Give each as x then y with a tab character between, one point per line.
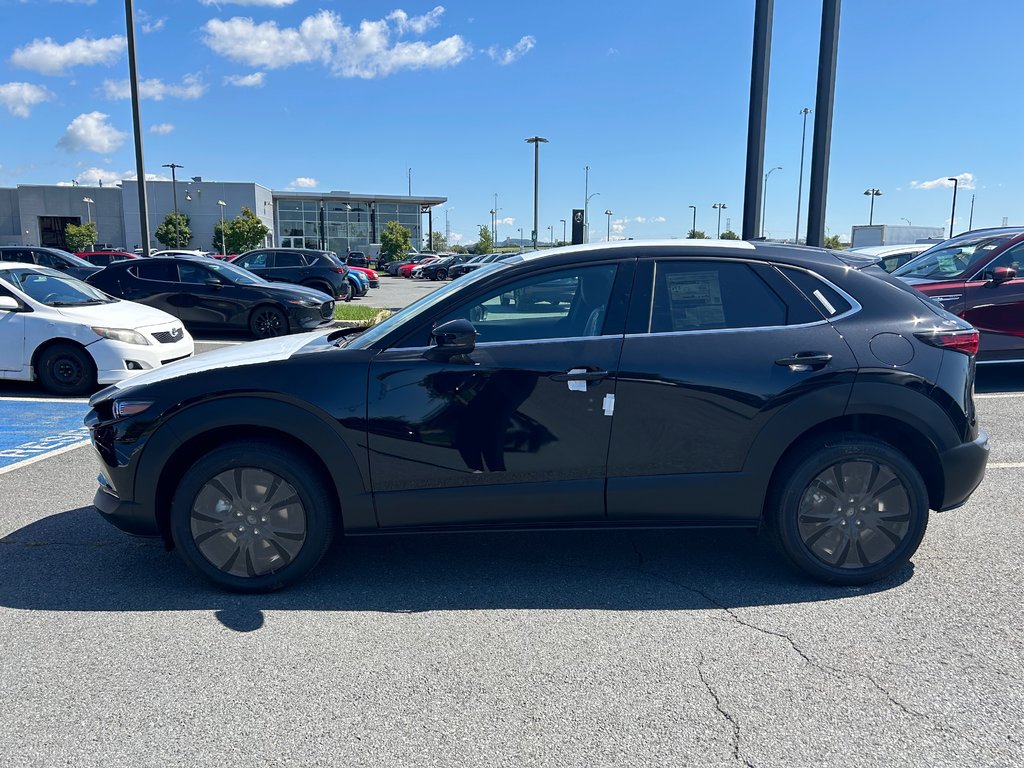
341	226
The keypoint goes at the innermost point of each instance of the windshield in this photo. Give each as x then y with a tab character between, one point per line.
377	332
235	273
54	289
953	260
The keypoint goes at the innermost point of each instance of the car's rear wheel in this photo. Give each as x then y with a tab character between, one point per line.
252	517
65	369
266	322
851	510
322	287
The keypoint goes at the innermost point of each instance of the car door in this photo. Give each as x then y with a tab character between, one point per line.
516	431
205	298
996	307
154	283
709	359
258	262
12	335
288	267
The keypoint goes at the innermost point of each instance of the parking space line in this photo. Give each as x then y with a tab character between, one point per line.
998	395
1006	465
40	457
45	399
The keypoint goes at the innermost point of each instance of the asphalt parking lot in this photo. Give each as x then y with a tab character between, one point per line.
562	648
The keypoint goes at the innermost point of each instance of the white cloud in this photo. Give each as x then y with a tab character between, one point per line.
153	26
190	88
304	181
509	55
455	237
417	24
90	131
50	58
93	177
366	52
507	221
964	181
270	3
255	80
19	98
161	129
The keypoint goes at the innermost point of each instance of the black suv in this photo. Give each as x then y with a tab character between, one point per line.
736	385
48	257
321	270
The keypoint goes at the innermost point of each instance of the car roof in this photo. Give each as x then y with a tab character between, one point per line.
17	264
883	250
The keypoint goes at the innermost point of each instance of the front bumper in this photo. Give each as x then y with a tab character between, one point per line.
128	516
117	360
964	468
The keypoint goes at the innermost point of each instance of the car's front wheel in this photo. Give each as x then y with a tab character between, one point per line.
851	509
267	321
252	517
441	274
65	369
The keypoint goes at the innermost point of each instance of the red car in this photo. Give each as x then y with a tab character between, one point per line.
406	269
102	258
372	276
977	275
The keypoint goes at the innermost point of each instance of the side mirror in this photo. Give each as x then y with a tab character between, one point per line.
10	304
456	337
1002	274
215	282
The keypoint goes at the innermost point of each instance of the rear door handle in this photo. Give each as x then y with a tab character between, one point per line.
805	361
578	374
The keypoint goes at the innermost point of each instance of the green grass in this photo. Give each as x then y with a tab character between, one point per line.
370	315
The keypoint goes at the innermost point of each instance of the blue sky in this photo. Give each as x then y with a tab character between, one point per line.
651	95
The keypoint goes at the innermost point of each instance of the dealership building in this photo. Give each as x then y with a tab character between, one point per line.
338	221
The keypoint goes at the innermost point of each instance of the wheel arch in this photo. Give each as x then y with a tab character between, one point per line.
196	431
56	342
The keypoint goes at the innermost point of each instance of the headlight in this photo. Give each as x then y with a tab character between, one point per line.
124	408
126	335
304	302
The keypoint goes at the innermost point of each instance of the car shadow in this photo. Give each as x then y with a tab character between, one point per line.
74	561
999	378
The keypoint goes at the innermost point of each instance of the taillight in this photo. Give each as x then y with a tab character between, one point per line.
965	341
339	270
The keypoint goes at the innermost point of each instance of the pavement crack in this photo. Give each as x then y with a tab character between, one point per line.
729	717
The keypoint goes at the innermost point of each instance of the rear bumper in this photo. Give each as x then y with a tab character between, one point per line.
963	468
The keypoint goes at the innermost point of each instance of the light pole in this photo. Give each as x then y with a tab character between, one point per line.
536	141
174	193
408	173
764	195
586	219
520	238
563	225
88	206
693	229
904	218
721	207
970	221
551	234
872	193
952	215
608	234
586	201
223	247
496	209
800	187
494	217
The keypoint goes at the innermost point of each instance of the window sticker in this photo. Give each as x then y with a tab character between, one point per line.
695	299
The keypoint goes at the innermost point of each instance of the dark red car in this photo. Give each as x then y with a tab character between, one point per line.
977	275
103	258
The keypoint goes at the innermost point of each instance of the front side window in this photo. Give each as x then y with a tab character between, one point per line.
570	303
954	261
256	260
1012	257
708	295
193	273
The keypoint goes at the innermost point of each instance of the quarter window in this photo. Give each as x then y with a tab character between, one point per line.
823	296
707	295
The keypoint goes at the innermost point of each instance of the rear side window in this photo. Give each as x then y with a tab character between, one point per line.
710	295
288	259
827	299
163	271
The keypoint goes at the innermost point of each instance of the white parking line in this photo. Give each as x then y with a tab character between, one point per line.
995	396
47	399
1006	465
34	459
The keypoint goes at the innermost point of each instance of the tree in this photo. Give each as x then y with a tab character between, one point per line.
486	242
80	236
175	231
438	242
832	241
241	234
395	241
696	234
729	235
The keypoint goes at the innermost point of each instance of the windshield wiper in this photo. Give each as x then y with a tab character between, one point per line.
76	303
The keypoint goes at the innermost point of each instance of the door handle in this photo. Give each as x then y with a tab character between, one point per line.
805	361
579	375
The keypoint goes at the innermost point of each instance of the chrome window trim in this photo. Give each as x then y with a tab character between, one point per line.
487	344
855	306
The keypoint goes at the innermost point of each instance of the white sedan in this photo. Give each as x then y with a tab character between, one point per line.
73	337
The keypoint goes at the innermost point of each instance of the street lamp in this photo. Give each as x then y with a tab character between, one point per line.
496	209
563	230
586	201
586	217
608	235
693	230
494	218
88	206
223	248
721	207
952	215
174	193
800	187
536	141
520	238
904	218
764	195
873	193
551	234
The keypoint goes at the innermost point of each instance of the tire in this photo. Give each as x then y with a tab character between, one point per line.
65	369
223	500
266	321
441	274
322	287
850	509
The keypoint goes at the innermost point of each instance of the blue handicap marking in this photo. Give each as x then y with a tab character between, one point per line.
32	428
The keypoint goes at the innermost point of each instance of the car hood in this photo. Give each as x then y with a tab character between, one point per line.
121	314
923	283
297	292
248	353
